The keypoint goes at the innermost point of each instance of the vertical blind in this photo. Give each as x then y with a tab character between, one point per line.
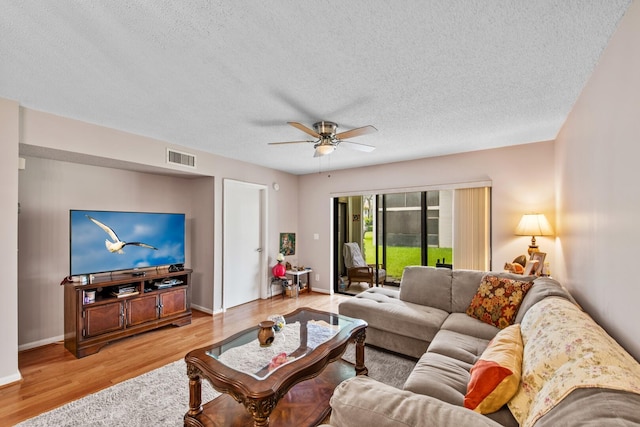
471	228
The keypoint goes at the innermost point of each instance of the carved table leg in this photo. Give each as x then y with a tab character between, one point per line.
260	409
195	390
360	368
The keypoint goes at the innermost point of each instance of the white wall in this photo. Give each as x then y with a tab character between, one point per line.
523	181
9	134
597	189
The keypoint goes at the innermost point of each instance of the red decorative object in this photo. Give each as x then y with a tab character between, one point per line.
278	270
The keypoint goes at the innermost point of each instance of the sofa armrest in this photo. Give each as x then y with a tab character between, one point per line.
365	402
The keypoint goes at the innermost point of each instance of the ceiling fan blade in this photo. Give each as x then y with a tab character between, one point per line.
357	146
305	129
364	130
288	142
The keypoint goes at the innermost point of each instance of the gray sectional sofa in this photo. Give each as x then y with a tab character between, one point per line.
426	319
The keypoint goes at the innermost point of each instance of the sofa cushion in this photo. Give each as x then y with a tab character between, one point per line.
427	286
462	323
495	377
401	344
381	309
364	402
445	378
497	300
457	345
464	285
440	376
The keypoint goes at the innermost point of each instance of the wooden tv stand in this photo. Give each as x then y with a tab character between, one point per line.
88	326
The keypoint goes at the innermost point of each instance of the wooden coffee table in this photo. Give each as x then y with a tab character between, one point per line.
295	393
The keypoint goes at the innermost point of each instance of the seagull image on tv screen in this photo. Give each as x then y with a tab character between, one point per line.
117	244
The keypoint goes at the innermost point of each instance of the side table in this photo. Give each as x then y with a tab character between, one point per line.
296	281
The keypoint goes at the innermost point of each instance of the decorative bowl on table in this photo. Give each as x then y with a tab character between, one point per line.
278	322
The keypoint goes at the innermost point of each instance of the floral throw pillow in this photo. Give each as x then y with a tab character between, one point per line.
497	300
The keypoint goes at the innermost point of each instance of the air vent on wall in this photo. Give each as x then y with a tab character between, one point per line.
182	159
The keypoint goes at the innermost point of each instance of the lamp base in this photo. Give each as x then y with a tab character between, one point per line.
533	248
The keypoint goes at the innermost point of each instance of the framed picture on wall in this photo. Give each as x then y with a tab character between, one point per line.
287	244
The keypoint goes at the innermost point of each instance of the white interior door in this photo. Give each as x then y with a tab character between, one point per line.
243	242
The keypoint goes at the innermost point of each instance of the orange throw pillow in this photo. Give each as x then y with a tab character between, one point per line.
498	300
495	377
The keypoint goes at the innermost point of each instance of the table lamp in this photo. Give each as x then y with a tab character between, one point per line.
534	225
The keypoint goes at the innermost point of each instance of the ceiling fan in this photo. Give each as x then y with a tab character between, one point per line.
327	140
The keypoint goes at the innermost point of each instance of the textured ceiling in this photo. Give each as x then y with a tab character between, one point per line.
434	77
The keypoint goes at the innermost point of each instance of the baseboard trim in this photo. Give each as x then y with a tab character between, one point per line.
10	379
203	309
40	343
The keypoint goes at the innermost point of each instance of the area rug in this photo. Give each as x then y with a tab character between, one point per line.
161	397
383	366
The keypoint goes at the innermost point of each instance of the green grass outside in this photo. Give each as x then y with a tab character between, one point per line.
398	257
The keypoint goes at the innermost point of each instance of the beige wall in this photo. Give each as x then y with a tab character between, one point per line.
201	227
597	189
48	190
303	204
522	177
9	133
51	186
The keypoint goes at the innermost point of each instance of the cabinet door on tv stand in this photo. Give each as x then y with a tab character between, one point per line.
173	302
101	319
142	309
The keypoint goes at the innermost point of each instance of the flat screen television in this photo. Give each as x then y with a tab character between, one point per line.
107	241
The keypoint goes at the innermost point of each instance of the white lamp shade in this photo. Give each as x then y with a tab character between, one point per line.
534	225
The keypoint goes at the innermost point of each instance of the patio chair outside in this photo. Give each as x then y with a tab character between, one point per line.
358	270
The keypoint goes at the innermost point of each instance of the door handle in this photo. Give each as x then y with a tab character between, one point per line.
259	250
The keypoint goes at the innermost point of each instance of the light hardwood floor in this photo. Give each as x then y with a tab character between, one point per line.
52	376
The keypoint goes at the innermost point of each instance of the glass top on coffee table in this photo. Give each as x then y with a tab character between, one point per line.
304	331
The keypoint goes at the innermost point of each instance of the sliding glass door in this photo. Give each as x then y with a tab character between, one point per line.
413	228
443	227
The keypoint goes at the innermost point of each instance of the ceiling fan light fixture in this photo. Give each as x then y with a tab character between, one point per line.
327	140
324	149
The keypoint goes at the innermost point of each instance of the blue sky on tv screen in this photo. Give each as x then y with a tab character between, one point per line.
89	253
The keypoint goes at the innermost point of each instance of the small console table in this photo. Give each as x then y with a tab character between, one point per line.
296	281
